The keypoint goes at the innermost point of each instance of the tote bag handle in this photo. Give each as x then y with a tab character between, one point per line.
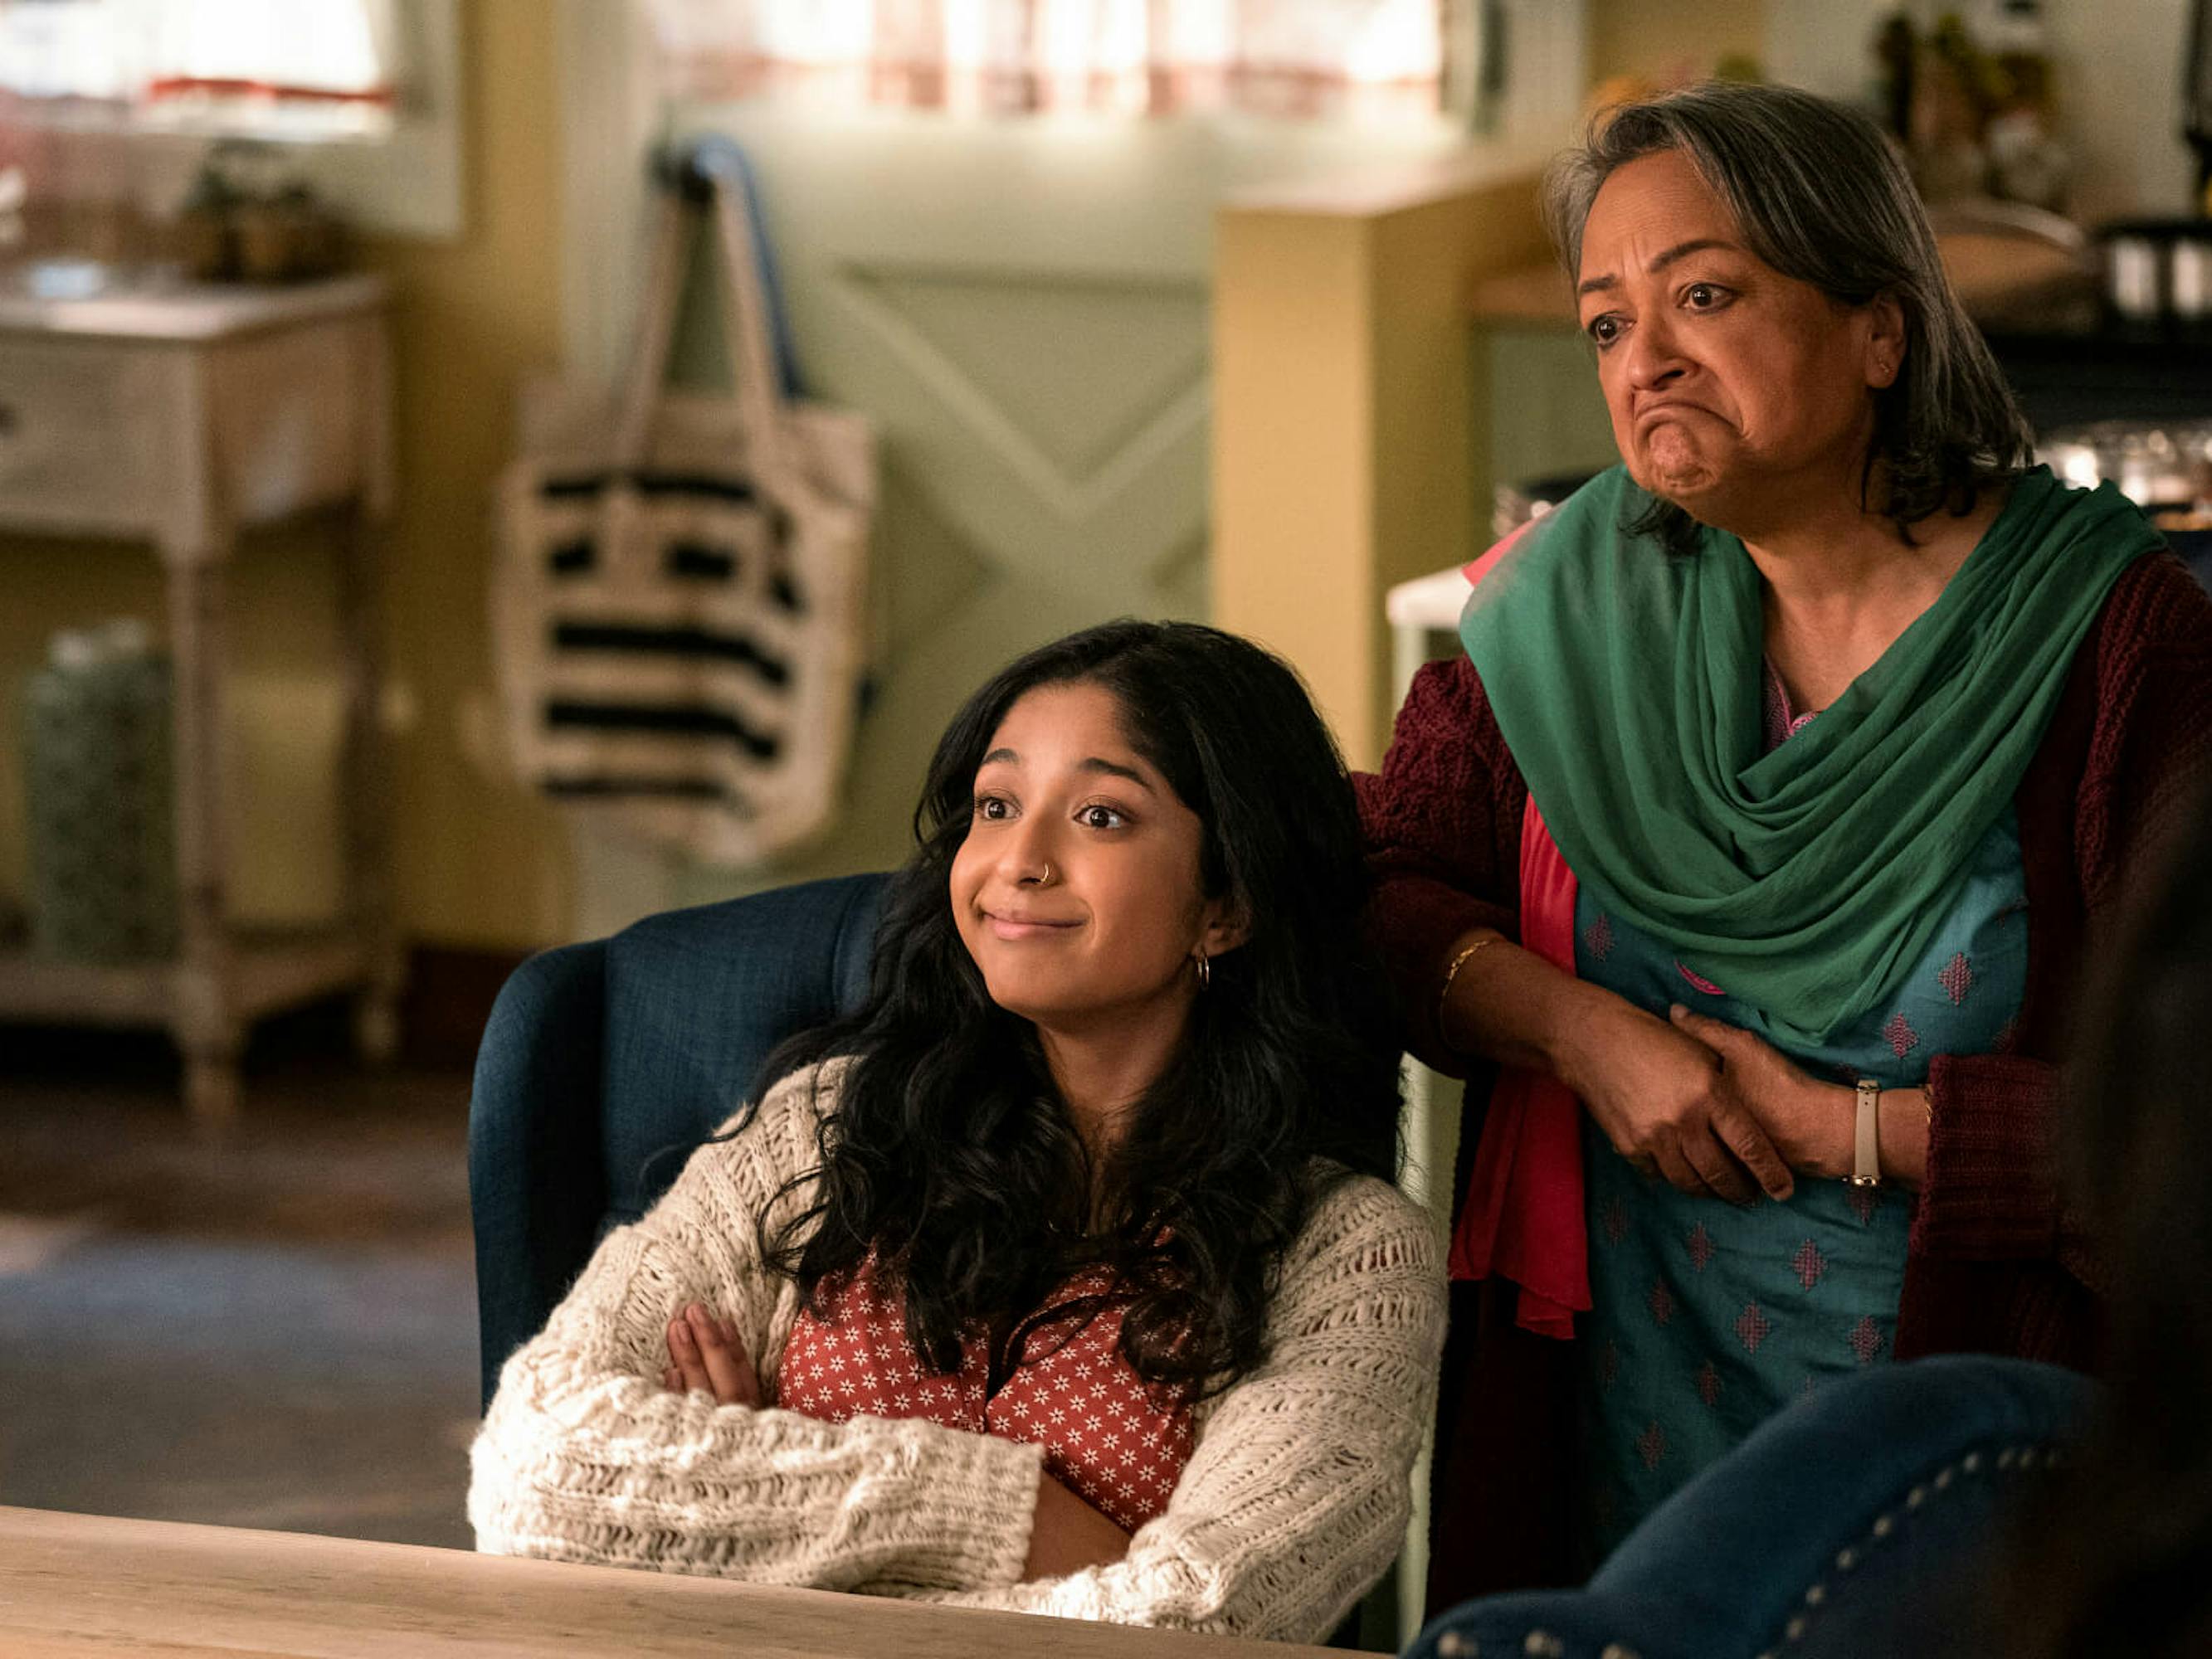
714	178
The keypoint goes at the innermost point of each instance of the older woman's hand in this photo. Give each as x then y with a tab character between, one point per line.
1810	1122
1671	1103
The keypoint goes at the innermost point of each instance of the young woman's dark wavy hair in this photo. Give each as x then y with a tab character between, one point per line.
950	1160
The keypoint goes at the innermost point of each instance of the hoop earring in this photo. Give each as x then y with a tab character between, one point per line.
1205	969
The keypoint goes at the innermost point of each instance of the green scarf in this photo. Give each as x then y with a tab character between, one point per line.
1807	881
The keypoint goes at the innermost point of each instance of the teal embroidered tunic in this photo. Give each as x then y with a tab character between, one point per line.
1707	1318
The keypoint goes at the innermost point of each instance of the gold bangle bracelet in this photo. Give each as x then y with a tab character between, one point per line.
1451	973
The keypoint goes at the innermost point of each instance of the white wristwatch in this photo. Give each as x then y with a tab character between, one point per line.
1866	1151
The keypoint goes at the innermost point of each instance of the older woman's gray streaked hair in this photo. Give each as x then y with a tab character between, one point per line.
1821	195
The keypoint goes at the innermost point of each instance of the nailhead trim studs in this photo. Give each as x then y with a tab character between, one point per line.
2011	1457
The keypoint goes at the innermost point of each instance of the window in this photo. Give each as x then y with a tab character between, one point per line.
1283	57
367	90
271	68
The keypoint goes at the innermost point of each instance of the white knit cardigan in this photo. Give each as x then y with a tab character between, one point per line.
1294	1500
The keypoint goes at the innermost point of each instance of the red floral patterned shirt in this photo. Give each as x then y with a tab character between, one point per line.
1104	1437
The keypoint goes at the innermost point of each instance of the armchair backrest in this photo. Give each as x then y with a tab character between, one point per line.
1871	1518
604	1064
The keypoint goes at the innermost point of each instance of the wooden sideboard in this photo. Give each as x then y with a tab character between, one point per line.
73	1585
181	418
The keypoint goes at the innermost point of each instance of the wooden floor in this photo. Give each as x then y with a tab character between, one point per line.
276	1331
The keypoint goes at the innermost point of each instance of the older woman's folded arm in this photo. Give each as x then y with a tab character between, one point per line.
1992	1191
1441	821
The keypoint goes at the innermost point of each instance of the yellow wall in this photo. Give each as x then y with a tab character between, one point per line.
1346	402
1654	37
478	862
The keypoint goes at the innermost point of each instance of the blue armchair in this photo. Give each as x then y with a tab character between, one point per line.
604	1064
1867	1520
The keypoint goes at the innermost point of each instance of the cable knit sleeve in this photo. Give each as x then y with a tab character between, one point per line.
1442	824
1992	1190
584	1456
1298	1493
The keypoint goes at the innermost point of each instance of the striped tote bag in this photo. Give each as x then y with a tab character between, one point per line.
679	602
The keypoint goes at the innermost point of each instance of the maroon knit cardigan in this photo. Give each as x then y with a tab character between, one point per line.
1996	1264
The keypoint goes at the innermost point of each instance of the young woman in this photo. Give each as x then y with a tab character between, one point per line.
1067	1275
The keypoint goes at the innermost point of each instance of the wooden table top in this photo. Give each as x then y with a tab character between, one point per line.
77	1585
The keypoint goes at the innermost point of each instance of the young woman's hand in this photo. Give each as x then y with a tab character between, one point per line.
1068	1536
1673	1104
704	1352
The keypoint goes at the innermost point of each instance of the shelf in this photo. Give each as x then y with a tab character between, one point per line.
272	970
191	310
1996	276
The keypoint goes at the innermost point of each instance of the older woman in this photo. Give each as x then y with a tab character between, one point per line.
1790	769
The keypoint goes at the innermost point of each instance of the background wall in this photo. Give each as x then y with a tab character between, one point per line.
1632	37
479	863
482	865
1025	308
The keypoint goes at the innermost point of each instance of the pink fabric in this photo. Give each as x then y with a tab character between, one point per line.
1103	1437
1783	722
1479	568
1523	1218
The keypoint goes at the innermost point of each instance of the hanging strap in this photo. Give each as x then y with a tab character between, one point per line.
746	302
648	361
713	177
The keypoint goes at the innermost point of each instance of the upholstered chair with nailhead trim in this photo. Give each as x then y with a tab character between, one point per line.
1867	1520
